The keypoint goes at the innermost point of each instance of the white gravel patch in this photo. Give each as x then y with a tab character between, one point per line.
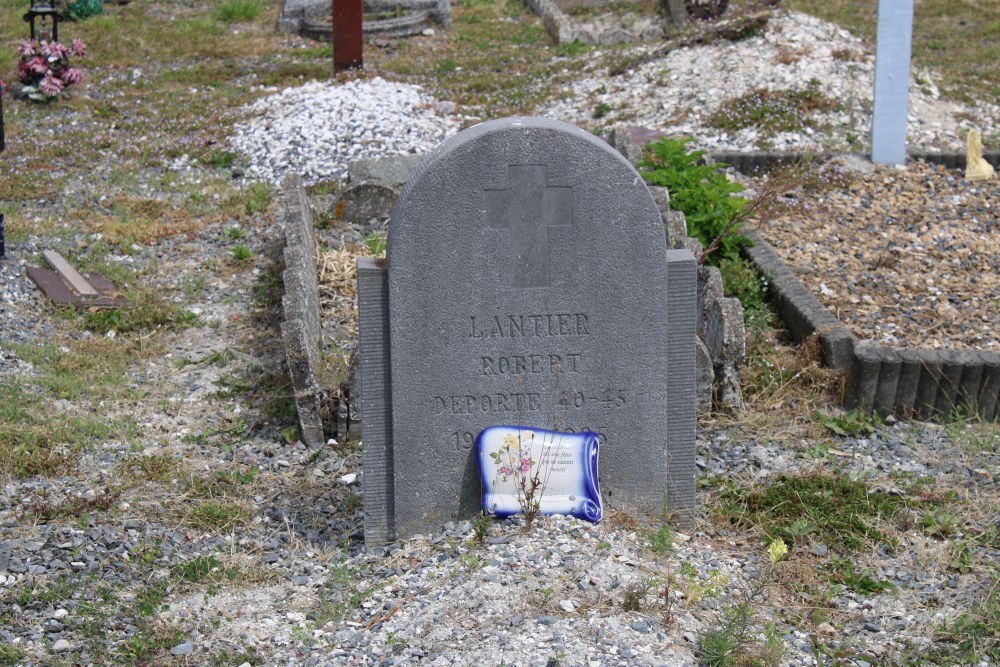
678	92
318	128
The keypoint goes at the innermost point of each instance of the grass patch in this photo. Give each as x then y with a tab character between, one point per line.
842	513
961	40
34	443
217	515
232	11
10	654
148	310
773	111
974	634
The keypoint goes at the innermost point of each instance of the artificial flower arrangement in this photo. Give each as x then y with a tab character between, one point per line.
45	70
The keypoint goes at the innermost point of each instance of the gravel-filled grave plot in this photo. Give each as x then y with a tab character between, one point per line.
906	257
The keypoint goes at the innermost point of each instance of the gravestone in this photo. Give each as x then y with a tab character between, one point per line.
527	283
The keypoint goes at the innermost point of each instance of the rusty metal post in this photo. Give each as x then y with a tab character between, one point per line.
347	35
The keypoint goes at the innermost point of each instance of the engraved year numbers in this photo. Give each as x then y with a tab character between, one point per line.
608	398
462	440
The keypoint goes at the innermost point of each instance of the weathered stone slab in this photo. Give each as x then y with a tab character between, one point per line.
301	329
528	285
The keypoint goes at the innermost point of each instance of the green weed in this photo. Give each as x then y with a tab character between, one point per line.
197	569
232	11
853	423
258	198
843	511
736	640
841	571
241	253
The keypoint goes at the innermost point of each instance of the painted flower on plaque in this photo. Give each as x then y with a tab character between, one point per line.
531	471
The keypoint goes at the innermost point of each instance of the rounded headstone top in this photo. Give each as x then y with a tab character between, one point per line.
512	124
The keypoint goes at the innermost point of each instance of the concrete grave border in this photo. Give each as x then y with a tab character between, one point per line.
301	17
908	383
302	327
564	30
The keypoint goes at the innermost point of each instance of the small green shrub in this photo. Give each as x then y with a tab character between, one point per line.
241	253
233	11
702	192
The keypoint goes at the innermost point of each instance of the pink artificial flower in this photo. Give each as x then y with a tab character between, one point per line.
3	87
38	65
505	471
50	85
54	50
26	49
23	72
71	75
525	466
79	48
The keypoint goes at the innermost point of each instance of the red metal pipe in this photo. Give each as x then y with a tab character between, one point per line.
347	35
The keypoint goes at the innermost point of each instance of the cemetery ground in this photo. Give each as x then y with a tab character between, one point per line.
156	507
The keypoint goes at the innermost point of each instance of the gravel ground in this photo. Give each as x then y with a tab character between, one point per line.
128	557
904	256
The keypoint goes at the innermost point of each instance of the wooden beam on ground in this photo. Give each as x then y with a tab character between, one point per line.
69	274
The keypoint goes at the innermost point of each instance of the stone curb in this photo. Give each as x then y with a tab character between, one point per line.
802	312
918	383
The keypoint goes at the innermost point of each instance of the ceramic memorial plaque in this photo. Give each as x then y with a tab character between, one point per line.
557	470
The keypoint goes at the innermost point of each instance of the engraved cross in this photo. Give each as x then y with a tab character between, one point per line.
528	207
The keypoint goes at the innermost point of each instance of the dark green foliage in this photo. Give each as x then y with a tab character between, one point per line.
84	9
702	192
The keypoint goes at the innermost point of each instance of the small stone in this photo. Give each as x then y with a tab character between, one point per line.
819	550
348	479
567	606
826	629
61	646
872	627
60	613
547	619
640	625
182	649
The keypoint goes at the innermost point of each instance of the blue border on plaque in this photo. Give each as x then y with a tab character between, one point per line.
566	464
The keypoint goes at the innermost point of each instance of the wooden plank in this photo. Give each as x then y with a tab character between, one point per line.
892	80
69	274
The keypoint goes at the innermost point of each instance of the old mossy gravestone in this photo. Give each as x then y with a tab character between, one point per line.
527	282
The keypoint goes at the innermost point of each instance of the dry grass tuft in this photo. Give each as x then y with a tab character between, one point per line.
338	287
